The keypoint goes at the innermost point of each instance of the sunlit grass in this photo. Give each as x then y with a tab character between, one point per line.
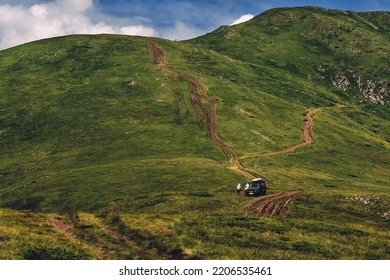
94	133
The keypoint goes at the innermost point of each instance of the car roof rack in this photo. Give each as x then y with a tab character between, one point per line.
257	179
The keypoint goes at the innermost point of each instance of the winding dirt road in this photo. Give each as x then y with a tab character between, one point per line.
274	205
207	118
206	115
308	139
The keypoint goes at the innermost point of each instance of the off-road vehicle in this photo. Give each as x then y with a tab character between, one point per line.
256	188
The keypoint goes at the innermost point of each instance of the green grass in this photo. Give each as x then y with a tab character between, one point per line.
31	236
347	159
101	132
93	132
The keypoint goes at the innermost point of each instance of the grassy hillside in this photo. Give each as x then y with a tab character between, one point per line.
106	154
314	45
72	125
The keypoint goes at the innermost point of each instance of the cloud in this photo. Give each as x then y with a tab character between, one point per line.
20	24
242	19
181	31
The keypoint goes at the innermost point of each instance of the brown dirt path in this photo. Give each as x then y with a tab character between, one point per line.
68	231
273	206
206	115
308	139
156	53
207	118
307	128
64	228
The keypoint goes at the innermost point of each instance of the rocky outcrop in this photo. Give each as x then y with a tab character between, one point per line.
341	82
226	31
377	92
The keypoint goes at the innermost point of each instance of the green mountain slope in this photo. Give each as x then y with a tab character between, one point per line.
129	147
318	45
68	109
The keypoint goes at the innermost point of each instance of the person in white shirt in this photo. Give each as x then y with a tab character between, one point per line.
238	189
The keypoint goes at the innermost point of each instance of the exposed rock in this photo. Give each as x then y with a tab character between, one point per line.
226	31
132	83
341	82
229	35
368	200
386	215
378	93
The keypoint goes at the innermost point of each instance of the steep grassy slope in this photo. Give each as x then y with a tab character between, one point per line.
105	154
72	125
314	57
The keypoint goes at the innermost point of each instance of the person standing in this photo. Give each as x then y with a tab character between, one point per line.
238	188
246	189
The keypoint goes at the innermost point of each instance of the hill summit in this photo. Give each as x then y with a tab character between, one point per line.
346	48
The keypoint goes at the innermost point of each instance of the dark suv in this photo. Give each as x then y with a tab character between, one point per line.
256	188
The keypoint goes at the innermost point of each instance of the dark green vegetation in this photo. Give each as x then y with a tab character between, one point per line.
93	132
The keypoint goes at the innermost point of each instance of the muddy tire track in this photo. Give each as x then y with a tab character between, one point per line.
156	53
273	206
206	112
205	108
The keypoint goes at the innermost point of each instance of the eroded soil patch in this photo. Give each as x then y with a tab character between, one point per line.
274	205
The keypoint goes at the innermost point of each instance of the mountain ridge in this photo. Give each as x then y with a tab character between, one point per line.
332	35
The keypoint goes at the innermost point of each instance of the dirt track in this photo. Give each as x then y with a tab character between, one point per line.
68	231
207	118
273	206
206	114
65	229
307	126
156	53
